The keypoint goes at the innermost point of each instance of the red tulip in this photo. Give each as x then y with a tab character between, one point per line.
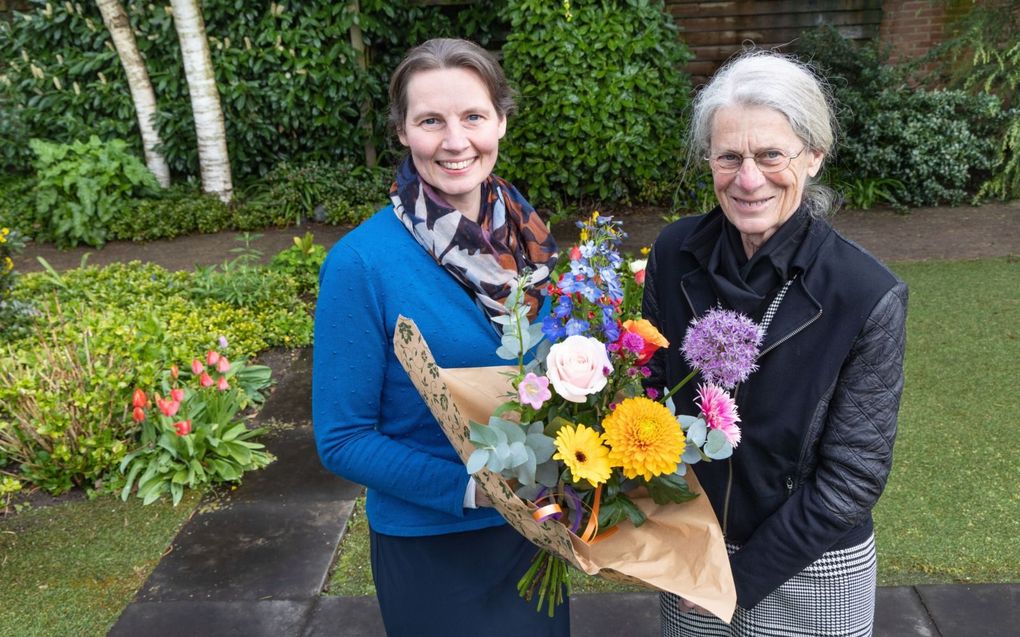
205	379
183	427
177	395
221	384
139	414
211	357
197	367
174	372
138	399
223	365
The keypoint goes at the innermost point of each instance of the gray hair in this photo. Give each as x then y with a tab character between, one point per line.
779	82
448	53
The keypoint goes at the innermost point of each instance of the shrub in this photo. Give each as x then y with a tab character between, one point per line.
195	437
83	186
176	211
62	422
337	192
940	145
17	204
985	56
601	99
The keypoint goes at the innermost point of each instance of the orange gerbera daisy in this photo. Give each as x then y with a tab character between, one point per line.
644	437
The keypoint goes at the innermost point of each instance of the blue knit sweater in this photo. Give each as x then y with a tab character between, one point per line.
371	426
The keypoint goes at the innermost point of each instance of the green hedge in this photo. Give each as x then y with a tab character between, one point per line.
601	99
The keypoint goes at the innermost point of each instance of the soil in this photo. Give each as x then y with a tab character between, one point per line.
990	230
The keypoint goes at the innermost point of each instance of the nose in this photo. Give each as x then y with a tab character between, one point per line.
455	139
749	176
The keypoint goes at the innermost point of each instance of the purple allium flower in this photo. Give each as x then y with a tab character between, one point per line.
222	341
723	345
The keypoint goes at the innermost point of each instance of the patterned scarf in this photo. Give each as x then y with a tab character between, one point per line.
484	256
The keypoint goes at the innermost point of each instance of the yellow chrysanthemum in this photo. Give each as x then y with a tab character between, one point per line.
645	438
581	449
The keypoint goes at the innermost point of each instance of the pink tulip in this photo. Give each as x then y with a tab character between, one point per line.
197	367
205	379
168	407
211	357
221	384
177	394
183	427
139	414
223	366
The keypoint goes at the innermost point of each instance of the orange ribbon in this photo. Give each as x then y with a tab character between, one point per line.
590	533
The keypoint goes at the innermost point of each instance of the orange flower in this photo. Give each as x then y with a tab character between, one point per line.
653	339
183	428
138	399
138	414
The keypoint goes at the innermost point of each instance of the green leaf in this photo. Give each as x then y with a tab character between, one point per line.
670	488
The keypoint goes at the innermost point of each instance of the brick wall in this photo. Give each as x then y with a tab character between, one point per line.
912	27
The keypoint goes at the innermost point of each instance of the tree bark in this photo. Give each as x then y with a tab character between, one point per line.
119	26
213	160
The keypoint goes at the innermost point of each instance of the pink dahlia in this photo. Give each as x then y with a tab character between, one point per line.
719	411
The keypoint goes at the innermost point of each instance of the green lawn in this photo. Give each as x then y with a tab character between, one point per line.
70	569
951	511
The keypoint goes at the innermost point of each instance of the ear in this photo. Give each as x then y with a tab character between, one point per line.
815	160
402	136
502	126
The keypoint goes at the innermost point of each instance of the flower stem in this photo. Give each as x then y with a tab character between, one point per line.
677	387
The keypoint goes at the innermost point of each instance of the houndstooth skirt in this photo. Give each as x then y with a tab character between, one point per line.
833	597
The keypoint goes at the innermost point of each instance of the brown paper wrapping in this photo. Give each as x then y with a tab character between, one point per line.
679	548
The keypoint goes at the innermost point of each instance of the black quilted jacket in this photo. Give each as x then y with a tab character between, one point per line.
818	417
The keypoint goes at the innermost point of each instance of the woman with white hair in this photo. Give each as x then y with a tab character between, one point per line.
819	415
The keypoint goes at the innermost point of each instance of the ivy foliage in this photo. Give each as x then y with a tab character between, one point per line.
939	145
601	99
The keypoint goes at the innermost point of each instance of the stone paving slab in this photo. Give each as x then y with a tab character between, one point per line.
899	612
248	552
296	476
978	610
213	619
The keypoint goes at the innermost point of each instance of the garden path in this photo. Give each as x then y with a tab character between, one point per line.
989	230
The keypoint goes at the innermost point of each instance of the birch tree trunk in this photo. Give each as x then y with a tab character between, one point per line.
142	95
213	160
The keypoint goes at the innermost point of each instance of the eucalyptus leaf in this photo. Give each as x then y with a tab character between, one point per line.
718	447
477	460
698	431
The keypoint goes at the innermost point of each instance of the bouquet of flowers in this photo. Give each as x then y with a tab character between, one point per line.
577	435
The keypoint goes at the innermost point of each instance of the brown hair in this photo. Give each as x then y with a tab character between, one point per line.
445	53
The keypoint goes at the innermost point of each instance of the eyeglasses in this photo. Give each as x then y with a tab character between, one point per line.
767	161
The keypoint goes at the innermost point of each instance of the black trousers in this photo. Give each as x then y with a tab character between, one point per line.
459	584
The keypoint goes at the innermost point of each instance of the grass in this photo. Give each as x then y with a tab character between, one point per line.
951	512
71	568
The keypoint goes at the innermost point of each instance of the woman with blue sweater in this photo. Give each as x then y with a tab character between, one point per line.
443	254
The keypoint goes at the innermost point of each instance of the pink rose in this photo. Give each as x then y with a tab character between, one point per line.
577	367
